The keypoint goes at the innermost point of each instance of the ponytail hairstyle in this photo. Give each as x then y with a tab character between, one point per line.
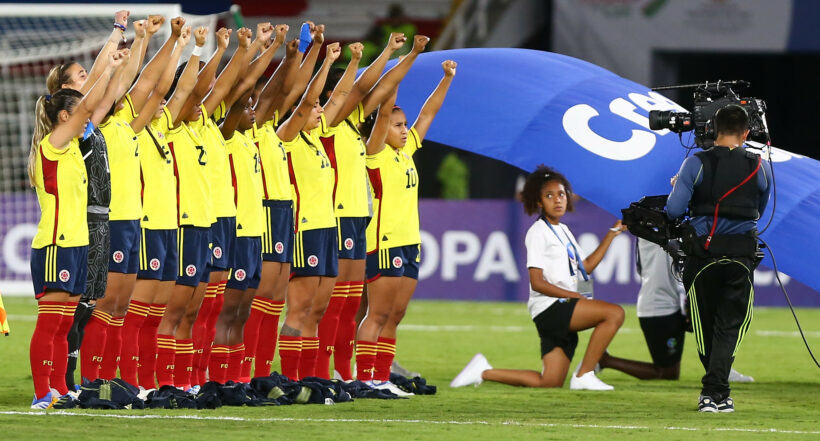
57	76
531	195
47	112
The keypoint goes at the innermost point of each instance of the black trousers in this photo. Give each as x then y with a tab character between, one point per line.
721	297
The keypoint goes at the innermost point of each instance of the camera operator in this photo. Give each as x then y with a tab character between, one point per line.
725	189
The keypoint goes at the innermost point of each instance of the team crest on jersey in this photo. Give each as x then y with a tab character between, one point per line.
218	252
397	262
313	260
118	256
190	270
64	276
348	244
279	247
154	264
239	274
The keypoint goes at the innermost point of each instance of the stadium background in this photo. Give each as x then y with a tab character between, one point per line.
467	254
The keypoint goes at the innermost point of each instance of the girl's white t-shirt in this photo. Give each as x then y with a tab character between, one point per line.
548	251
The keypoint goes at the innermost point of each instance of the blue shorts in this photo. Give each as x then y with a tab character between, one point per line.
315	254
223	233
159	258
246	263
125	246
394	262
352	237
277	240
192	246
59	269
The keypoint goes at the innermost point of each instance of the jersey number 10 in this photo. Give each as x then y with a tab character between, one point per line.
412	177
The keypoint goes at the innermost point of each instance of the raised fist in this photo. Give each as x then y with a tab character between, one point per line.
396	41
223	37
244	37
185	38
281	33
419	43
153	24
264	31
121	17
449	67
356	50
119	57
139	28
319	35
201	35
333	52
292	47
176	26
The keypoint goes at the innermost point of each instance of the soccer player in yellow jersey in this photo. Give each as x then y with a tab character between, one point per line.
158	258
393	233
315	261
346	150
60	247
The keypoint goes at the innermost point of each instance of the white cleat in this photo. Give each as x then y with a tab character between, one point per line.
386	385
588	381
737	377
471	374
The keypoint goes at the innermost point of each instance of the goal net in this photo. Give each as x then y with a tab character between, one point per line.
33	39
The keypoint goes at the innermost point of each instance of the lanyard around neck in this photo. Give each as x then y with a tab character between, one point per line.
574	251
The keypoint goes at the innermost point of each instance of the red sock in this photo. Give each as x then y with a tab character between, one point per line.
251	336
289	349
200	366
182	363
166	355
365	359
327	329
218	364
129	352
385	353
58	368
93	345
346	332
235	358
113	345
307	358
210	328
147	365
268	334
41	350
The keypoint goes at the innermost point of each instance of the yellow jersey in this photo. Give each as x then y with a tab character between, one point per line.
124	162
346	152
60	181
217	170
247	185
311	178
193	189
394	185
274	161
159	201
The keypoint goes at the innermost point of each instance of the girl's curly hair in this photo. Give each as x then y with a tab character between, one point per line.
531	195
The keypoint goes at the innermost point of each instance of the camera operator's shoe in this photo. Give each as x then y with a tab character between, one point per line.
726	405
471	374
707	404
588	381
737	377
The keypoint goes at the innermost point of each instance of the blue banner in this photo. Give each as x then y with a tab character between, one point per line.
529	107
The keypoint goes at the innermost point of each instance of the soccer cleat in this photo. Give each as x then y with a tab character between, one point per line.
588	381
471	374
193	389
386	385
143	393
726	405
396	368
706	404
44	403
737	377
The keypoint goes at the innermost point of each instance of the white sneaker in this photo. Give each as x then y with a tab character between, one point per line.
588	381
737	377
392	388
471	374
596	369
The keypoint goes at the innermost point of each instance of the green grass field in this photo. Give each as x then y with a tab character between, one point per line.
437	339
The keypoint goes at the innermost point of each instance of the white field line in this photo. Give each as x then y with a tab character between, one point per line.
492	328
407	421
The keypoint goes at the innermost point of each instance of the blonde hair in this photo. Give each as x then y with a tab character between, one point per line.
57	76
46	113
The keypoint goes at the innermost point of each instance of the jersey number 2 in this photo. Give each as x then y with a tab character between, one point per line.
201	159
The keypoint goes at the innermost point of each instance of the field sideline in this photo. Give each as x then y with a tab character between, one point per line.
437	339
